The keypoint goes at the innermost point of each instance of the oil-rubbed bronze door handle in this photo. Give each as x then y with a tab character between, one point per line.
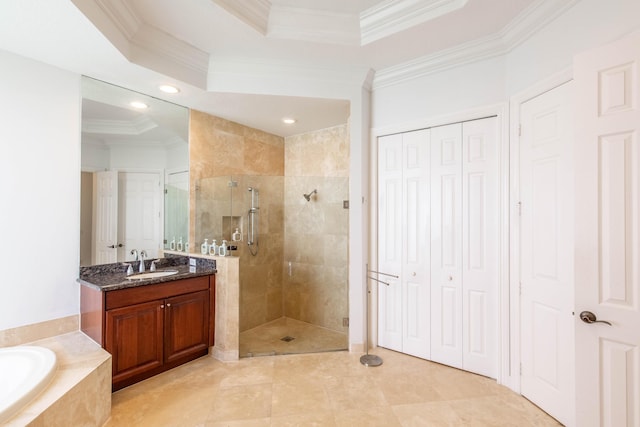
589	317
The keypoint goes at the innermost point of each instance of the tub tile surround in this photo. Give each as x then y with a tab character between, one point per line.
36	331
80	392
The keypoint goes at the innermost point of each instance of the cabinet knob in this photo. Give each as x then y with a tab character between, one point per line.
161	305
168	304
450	278
414	274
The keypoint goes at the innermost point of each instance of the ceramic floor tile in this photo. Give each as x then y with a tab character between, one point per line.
266	339
324	389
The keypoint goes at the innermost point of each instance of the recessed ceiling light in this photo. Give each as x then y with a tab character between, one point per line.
138	104
168	89
288	121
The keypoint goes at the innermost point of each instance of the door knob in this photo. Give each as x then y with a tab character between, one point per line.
589	317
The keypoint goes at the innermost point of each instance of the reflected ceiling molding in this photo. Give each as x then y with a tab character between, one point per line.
525	25
144	44
138	126
393	16
254	13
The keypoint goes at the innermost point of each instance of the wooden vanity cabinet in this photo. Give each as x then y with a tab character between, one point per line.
149	329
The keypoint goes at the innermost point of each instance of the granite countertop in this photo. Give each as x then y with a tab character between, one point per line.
110	277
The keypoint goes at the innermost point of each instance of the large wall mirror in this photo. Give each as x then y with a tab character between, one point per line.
135	173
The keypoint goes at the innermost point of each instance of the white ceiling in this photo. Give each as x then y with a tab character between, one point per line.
194	44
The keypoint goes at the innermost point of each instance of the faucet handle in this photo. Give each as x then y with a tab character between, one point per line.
129	268
153	265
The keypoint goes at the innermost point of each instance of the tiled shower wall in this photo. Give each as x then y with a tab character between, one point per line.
316	232
312	236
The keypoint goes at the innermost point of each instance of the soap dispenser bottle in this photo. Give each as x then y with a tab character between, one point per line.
236	236
179	246
213	247
204	248
222	251
172	245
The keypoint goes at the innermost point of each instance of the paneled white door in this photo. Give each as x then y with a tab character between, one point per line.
139	206
607	163
105	217
446	244
390	212
403	248
415	244
480	249
546	252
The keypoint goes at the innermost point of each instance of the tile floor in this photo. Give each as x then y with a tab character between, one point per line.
266	340
325	389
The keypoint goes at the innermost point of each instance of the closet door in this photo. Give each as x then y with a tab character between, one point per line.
390	213
415	244
403	248
480	254
446	245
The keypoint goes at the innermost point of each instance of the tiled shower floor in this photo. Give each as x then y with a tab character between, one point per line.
267	339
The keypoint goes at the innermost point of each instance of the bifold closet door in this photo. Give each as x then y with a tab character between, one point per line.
403	248
480	254
464	245
446	244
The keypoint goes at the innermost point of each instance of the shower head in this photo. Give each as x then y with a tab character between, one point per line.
308	196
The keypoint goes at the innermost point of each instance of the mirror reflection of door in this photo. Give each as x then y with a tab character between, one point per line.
105	218
127	156
126	216
139	206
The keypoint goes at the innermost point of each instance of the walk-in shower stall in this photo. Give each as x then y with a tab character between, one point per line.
291	234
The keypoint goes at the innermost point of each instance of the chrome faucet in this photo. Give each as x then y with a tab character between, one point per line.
143	254
134	252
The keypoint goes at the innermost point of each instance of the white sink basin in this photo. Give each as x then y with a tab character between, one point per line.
152	275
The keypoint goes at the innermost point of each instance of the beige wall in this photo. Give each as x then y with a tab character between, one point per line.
312	235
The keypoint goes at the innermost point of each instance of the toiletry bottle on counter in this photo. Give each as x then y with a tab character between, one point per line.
179	245
204	248
213	248
222	250
172	245
236	236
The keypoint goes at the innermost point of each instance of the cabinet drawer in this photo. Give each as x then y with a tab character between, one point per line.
140	294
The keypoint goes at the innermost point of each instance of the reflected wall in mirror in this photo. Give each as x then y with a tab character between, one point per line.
135	174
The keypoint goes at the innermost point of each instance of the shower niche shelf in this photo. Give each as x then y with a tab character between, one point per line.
229	225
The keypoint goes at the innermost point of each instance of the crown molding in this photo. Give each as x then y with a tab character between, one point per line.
313	25
168	55
254	13
394	16
526	24
144	44
248	75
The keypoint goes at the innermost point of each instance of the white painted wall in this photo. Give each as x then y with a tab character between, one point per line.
587	24
40	190
408	104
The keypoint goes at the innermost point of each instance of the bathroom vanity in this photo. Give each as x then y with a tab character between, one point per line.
149	325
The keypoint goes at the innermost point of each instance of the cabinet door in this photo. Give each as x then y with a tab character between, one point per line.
133	336
186	325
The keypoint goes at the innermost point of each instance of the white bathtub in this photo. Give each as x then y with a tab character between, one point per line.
24	372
